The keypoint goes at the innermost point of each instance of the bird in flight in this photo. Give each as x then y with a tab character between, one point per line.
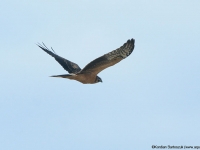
88	75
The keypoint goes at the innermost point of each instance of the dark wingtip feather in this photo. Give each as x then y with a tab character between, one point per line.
131	41
46	49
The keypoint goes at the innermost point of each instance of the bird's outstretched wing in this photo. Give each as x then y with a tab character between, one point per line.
66	64
109	59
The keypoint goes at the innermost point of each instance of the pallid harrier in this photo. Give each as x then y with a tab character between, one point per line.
88	75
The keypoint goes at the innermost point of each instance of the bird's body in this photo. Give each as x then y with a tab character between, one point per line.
88	75
87	78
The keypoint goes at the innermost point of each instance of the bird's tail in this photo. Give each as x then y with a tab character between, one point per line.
69	76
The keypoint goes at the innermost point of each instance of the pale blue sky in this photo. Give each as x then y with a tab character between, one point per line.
150	98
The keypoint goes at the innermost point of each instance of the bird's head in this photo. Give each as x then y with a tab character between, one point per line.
98	79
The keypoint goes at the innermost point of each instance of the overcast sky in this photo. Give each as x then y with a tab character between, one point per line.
150	98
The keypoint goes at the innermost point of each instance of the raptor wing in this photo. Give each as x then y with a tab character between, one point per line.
66	64
110	58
